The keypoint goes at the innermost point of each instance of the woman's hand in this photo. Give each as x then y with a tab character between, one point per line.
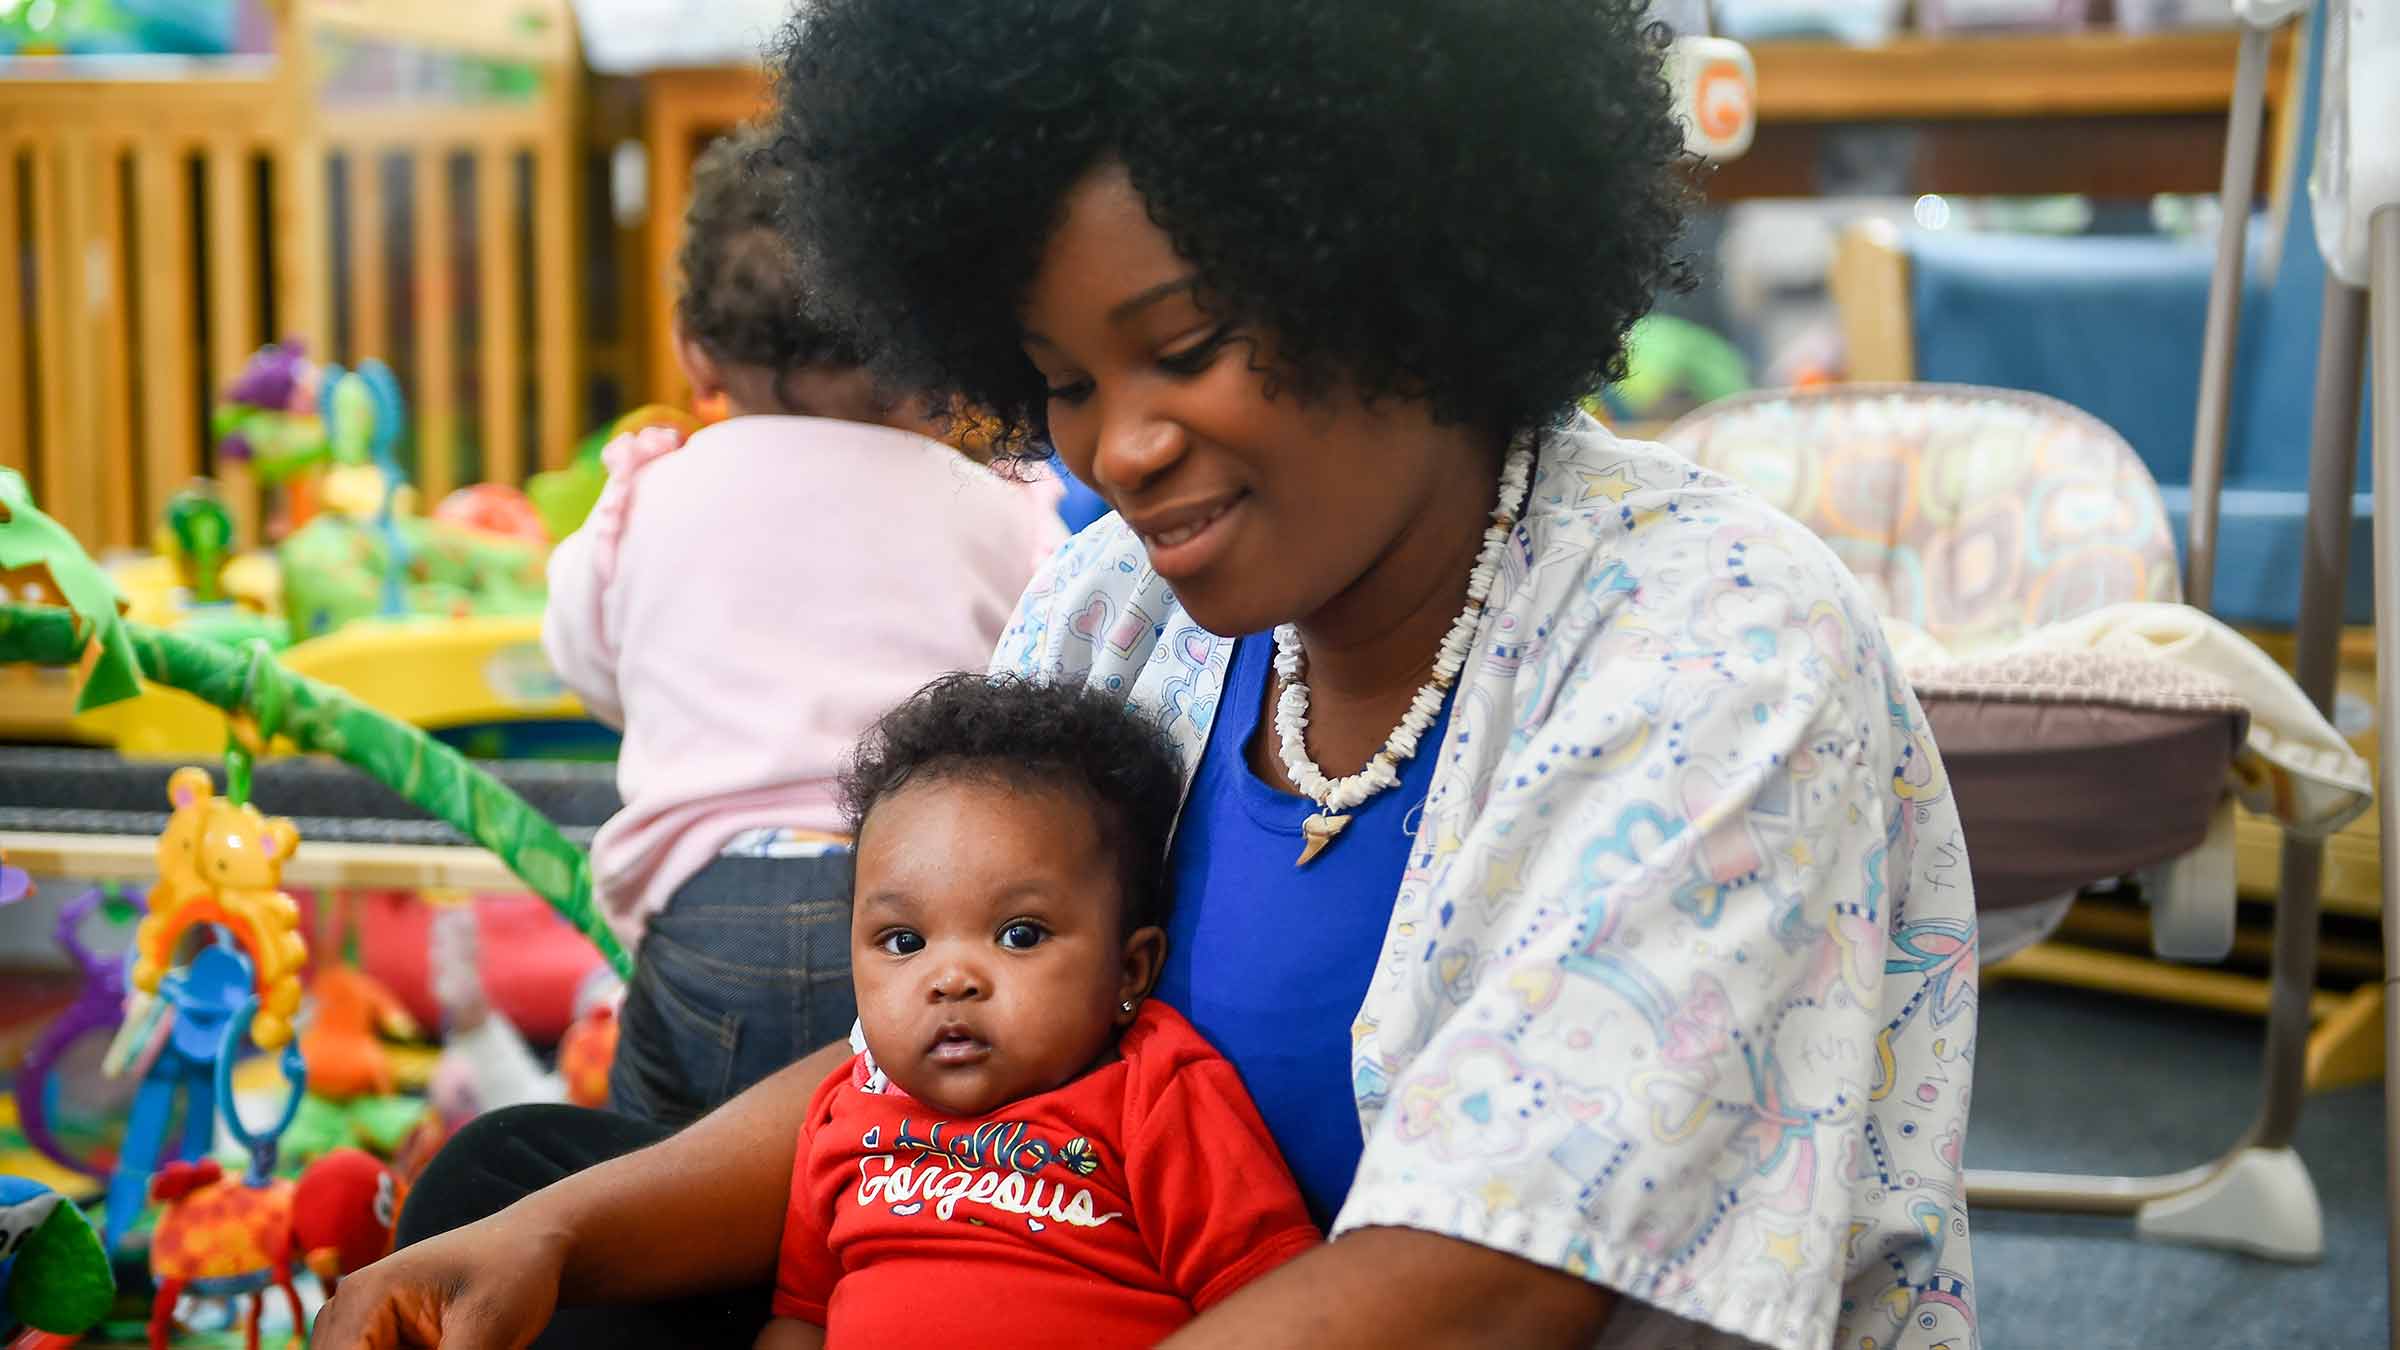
697	1212
488	1286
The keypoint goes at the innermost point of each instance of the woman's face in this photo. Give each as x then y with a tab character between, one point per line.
1258	507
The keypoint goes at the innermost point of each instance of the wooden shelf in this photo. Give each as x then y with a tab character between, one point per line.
1915	79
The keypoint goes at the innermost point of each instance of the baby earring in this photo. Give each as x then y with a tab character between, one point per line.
1127	1005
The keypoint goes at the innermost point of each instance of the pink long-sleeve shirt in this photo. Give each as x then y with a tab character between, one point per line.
745	604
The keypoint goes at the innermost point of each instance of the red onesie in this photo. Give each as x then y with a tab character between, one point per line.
1105	1213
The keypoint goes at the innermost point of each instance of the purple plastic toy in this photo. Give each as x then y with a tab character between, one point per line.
97	1009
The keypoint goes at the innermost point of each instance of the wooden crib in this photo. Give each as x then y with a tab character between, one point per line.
396	180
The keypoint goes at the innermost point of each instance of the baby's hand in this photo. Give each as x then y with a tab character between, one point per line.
787	1333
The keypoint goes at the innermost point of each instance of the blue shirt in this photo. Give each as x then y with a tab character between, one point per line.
1081	506
1271	961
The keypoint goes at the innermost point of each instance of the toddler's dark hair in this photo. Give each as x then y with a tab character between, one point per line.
743	298
1008	729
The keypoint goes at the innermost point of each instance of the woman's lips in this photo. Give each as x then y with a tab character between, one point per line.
1183	542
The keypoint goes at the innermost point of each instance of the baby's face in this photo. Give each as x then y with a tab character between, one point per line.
986	942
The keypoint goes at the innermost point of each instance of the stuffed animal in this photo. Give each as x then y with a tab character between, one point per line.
54	1274
588	1053
345	1058
223	1236
345	1210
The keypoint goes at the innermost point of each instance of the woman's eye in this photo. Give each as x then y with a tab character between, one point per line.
1020	935
902	942
1197	357
1071	393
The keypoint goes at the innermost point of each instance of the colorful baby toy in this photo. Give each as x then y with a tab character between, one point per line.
220	864
197	535
224	1237
42	564
346	1059
327	435
55	1277
98	1007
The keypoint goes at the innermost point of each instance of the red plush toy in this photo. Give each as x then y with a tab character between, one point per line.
222	1236
344	1211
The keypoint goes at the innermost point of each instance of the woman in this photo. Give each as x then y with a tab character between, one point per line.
1565	866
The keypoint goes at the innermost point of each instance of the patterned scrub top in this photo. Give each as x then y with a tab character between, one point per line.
1679	990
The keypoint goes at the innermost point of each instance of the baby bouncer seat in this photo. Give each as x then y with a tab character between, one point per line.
2092	727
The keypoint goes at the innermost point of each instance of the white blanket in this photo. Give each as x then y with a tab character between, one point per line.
2296	766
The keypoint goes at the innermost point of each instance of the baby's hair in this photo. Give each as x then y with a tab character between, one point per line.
1010	730
742	297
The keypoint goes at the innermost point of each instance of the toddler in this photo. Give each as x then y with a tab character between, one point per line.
743	604
1027	1151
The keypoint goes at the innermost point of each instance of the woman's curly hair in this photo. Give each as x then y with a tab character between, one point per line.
1468	201
742	297
1014	731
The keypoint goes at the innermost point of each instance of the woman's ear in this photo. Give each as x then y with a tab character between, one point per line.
1145	953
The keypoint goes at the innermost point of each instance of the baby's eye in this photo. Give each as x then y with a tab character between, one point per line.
1020	935
902	942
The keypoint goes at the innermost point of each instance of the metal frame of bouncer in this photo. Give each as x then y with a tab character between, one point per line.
2258	1196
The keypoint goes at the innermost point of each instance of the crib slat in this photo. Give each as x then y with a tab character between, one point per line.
15	415
70	480
370	307
170	370
53	342
232	307
111	309
436	312
503	365
555	338
303	242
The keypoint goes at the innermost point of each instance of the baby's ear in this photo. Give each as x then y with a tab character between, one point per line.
1144	956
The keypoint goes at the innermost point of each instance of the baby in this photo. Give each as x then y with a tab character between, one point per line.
1027	1151
744	604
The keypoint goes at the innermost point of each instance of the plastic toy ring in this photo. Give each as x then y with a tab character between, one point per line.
261	1145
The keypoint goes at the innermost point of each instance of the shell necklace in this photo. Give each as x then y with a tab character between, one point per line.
1336	798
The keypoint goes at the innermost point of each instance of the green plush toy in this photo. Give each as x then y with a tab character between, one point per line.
53	1271
39	555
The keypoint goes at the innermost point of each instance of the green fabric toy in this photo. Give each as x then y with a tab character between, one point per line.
53	1270
38	552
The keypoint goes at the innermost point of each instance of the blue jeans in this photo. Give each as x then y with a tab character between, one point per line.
746	970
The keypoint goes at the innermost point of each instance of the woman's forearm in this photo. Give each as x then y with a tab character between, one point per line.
698	1211
1380	1287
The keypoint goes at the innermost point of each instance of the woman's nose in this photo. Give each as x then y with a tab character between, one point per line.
1136	445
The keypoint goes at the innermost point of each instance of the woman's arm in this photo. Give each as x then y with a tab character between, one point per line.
1380	1287
700	1210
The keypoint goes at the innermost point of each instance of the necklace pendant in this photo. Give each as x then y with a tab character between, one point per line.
1319	830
